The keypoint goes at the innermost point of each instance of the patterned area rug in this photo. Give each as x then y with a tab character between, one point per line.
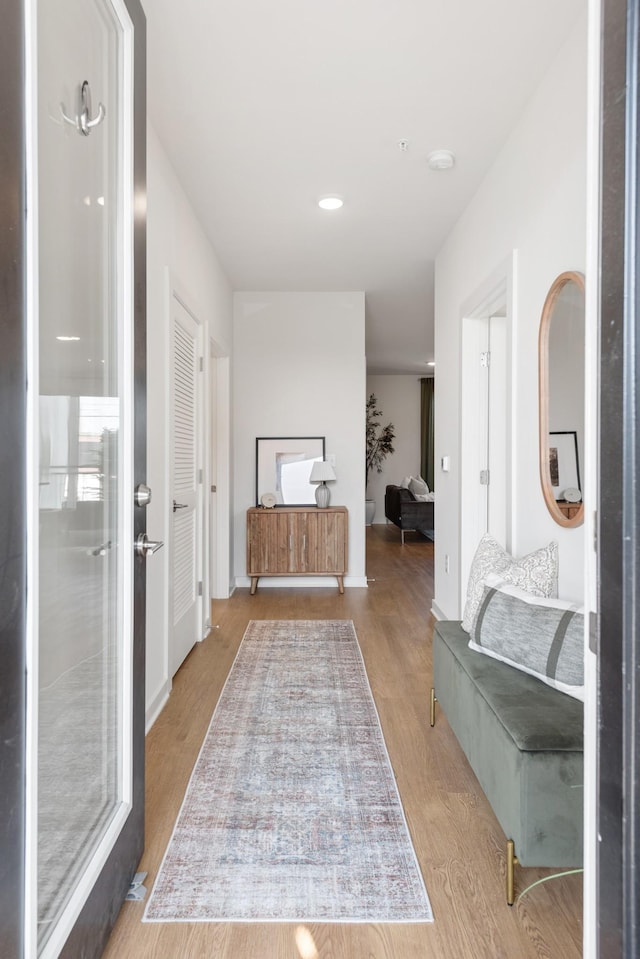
292	812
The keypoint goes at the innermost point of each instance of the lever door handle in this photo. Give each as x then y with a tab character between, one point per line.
177	506
144	545
99	550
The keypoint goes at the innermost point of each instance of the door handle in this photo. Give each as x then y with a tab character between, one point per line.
100	550
144	545
177	506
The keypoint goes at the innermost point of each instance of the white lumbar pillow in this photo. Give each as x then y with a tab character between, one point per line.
542	637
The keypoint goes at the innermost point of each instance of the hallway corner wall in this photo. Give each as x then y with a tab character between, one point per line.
532	201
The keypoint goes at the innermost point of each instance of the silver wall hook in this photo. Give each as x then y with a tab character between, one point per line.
84	123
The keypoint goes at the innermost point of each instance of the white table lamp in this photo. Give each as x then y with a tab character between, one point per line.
322	473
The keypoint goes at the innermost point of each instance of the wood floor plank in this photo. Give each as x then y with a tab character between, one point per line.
458	842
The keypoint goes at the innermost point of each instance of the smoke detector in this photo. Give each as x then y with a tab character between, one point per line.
441	160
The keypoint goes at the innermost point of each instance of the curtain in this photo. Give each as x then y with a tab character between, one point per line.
426	430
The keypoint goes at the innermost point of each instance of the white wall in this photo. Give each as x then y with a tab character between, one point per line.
532	201
178	252
398	397
299	370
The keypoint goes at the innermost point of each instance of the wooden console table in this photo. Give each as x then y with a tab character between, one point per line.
568	509
297	541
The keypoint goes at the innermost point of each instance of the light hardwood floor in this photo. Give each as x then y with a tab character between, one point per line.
458	841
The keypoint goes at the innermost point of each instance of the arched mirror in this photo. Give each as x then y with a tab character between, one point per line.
561	364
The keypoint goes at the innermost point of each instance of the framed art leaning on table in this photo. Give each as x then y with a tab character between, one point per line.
283	468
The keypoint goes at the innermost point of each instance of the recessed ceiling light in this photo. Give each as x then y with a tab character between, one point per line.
431	363
67	339
332	202
441	160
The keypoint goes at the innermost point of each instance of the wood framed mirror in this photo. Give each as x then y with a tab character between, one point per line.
561	398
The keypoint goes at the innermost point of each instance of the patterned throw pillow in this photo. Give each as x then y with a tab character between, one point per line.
542	637
536	573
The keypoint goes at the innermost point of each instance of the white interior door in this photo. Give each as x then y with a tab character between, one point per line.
187	484
82	577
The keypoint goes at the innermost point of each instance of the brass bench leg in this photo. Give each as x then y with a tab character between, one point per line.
432	707
512	861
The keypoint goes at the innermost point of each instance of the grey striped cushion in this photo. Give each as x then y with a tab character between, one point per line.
543	637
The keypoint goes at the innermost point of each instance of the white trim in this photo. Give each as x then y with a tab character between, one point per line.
126	373
156	706
223	478
495	297
436	612
302	582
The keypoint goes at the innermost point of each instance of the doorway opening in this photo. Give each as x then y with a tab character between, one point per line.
485	436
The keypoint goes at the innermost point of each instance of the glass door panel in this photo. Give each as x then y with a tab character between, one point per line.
83	533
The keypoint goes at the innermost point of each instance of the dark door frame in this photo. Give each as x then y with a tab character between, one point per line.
92	929
13	536
618	799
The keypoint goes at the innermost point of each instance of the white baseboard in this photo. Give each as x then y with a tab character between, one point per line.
437	612
157	705
301	582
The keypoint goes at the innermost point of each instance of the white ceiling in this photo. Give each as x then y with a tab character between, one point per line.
265	105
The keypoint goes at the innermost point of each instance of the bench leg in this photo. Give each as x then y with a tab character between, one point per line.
432	707
512	861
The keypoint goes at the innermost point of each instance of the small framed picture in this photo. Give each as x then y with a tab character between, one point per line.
564	468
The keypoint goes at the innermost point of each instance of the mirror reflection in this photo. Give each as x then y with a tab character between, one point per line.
562	339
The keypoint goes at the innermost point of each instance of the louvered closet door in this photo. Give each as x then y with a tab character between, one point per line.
186	488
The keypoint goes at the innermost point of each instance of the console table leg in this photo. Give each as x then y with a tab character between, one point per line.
340	584
254	584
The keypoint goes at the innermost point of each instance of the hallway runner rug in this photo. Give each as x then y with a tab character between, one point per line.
292	812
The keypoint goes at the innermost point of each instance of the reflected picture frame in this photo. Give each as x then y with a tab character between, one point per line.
564	468
283	468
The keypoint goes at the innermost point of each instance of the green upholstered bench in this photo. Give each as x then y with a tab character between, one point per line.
524	742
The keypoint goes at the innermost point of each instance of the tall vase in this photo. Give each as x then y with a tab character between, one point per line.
369	511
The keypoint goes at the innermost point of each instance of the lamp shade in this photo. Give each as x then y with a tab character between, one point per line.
322	472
